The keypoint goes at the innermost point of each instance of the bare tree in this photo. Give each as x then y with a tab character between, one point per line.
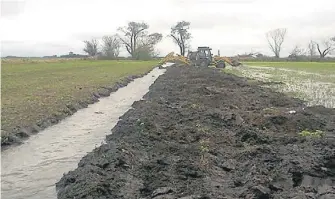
130	35
111	46
311	49
152	39
275	39
91	47
149	41
181	36
332	39
328	46
296	52
137	40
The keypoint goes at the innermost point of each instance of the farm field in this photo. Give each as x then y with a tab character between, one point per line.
35	90
313	82
201	133
124	100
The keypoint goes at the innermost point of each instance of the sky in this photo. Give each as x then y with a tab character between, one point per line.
54	27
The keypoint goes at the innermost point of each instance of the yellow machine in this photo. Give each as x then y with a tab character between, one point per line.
175	58
202	58
226	59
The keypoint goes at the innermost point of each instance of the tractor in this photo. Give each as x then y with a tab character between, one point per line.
203	57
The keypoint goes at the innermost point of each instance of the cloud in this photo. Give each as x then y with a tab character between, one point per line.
35	49
12	8
234	26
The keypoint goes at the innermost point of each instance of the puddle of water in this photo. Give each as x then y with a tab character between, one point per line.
31	170
313	88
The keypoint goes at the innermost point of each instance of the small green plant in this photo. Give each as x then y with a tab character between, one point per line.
194	106
204	149
202	129
140	126
204	146
317	133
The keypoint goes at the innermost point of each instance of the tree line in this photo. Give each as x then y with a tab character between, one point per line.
137	41
277	36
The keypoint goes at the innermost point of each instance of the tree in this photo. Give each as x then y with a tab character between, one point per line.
111	46
181	36
137	39
275	39
150	40
145	49
131	33
311	49
91	47
146	46
329	46
145	53
297	52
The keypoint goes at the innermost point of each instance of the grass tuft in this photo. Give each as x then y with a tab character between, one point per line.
316	134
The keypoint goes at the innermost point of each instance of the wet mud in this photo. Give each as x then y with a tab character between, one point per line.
17	135
201	133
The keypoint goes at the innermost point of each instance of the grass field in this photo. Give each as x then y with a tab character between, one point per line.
33	91
37	60
313	82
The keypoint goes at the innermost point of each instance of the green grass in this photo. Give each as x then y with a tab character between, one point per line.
315	134
33	91
320	67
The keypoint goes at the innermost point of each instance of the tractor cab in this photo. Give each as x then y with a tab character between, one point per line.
205	53
202	57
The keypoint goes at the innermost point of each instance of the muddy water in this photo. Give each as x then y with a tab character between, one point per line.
32	169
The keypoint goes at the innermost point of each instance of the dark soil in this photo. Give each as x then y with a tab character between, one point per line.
19	134
200	133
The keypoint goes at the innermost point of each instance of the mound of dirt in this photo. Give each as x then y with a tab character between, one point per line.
201	133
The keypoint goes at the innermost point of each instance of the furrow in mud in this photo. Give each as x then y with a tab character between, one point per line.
201	133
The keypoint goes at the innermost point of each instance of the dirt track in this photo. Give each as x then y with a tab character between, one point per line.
200	133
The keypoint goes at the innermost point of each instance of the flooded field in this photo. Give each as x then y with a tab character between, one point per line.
313	87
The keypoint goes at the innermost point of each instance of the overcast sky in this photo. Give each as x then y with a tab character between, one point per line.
47	27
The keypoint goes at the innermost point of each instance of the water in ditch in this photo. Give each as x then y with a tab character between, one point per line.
31	170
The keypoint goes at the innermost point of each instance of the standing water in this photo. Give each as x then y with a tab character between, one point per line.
32	169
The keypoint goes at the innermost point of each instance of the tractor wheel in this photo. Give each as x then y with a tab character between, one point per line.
220	64
203	64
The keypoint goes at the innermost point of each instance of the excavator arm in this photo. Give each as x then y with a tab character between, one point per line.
172	57
229	61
